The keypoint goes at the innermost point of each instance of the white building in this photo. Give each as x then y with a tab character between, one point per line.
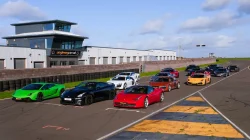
21	57
106	55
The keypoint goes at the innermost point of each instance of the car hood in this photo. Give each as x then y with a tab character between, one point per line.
21	92
129	97
219	72
158	83
72	93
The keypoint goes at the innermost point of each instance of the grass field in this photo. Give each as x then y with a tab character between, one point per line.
8	94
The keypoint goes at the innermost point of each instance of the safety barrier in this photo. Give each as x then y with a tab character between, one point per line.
19	83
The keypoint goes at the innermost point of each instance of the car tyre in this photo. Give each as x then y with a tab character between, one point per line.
39	97
112	95
61	91
162	97
146	103
88	100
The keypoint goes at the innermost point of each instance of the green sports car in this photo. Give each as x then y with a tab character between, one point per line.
38	92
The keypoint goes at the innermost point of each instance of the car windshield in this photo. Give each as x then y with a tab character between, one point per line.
88	85
161	80
136	90
124	73
162	74
119	78
197	76
233	66
212	65
200	71
32	87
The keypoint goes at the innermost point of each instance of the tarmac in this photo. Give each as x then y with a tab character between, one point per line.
219	110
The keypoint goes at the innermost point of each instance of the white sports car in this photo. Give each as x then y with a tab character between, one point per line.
134	75
122	82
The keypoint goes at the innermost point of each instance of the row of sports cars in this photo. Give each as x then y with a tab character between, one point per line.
132	94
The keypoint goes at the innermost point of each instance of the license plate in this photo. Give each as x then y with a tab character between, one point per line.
18	99
67	99
122	103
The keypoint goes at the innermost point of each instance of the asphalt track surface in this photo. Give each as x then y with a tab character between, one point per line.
49	120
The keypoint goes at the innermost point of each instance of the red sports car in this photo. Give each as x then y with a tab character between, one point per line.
138	97
172	71
201	71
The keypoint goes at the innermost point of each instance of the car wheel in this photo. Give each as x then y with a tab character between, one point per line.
162	97
125	86
146	103
39	97
178	85
169	88
112	95
88	100
61	91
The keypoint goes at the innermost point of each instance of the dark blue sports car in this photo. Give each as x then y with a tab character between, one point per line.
221	72
88	92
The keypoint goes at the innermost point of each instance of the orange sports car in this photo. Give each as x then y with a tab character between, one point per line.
166	83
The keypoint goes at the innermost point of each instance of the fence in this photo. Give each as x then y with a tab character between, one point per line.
19	83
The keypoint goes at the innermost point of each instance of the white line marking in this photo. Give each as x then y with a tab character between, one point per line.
151	114
244	133
125	110
50	104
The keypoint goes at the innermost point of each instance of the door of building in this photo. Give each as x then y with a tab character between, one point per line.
105	60
38	65
19	63
1	63
92	60
113	60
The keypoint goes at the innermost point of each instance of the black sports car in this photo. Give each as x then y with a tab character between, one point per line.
233	68
190	67
193	69
88	92
213	69
212	66
221	72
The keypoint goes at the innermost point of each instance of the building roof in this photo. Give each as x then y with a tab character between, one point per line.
44	22
127	49
44	33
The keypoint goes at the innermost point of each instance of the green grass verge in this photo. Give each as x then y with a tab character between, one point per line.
8	94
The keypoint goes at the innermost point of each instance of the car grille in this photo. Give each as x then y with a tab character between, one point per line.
124	105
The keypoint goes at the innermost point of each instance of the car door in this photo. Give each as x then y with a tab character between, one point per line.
152	96
130	81
52	90
46	90
101	91
171	82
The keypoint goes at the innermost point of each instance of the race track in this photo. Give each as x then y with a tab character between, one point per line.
49	120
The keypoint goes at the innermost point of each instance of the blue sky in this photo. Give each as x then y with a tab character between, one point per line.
223	25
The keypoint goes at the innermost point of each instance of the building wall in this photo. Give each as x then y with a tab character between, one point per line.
8	54
29	28
121	55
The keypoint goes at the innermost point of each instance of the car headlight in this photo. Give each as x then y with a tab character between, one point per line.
80	95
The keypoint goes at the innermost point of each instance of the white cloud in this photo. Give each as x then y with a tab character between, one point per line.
154	26
211	5
210	24
21	10
224	41
244	6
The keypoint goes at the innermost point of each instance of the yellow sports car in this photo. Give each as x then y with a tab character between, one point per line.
199	79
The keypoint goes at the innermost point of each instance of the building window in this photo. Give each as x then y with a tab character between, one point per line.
63	63
49	42
37	43
47	27
71	62
53	63
62	27
71	45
